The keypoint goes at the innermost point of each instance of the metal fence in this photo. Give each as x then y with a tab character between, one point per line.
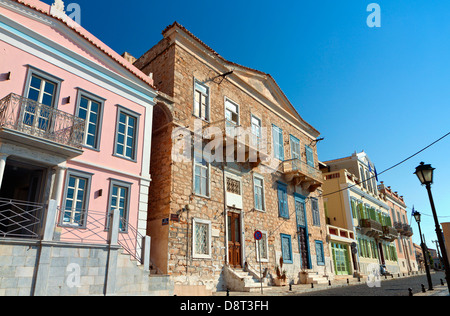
33	118
19	219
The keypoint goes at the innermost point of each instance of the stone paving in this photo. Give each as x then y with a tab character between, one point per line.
298	289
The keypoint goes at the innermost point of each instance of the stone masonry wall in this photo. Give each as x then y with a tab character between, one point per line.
184	67
58	269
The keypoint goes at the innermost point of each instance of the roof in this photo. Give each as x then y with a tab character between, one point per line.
46	9
230	63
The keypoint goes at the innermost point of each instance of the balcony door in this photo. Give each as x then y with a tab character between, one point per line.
42	91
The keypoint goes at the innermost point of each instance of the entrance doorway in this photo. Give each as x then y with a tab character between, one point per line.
22	182
341	259
21	196
302	232
234	239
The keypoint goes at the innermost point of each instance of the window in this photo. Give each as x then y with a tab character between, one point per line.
283	201
127	127
201	247
201	101
262	250
256	131
319	253
278	145
363	179
354	208
89	109
231	113
76	199
309	156
315	212
258	187
119	199
201	175
295	152
286	248
43	91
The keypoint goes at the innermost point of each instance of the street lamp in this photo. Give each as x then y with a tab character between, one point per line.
425	174
425	253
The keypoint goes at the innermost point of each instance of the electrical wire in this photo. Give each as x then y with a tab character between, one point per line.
390	168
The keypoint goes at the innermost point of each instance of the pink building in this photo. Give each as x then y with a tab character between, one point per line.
75	128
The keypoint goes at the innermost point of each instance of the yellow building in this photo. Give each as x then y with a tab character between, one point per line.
360	231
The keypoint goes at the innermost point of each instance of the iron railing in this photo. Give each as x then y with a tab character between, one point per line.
296	165
35	119
20	219
93	227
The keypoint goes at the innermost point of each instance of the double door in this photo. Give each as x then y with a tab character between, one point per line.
302	233
234	239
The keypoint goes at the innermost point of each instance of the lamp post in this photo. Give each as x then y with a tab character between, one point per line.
425	174
425	253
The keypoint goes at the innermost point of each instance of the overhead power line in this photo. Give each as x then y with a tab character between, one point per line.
394	166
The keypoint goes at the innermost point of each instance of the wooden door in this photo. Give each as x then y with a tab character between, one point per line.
234	239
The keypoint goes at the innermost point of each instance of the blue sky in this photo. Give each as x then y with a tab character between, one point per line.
382	90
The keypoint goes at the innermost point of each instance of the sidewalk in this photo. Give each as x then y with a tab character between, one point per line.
441	290
305	288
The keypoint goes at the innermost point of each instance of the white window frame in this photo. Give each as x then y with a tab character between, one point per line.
263	198
83	211
128	113
196	255
203	94
208	174
263	259
91	98
256	139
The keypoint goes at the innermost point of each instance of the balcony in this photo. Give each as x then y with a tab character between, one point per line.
25	121
399	227
239	143
389	233
403	229
371	228
299	173
407	230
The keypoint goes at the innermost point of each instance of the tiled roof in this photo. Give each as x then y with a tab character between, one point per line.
176	24
45	9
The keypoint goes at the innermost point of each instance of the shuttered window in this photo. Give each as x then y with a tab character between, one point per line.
283	201
278	146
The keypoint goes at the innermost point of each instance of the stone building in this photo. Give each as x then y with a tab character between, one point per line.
399	215
230	156
356	208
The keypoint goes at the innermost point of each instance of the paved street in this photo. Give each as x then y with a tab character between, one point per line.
389	287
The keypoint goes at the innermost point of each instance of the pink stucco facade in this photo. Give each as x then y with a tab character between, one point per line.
34	43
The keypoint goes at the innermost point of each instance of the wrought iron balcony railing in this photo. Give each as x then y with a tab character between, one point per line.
34	119
390	233
302	174
371	227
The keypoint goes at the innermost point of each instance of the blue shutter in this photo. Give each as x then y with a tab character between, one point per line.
286	248
278	148
309	156
282	201
281	144
319	253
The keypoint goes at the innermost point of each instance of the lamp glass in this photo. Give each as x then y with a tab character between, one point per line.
417	217
424	173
